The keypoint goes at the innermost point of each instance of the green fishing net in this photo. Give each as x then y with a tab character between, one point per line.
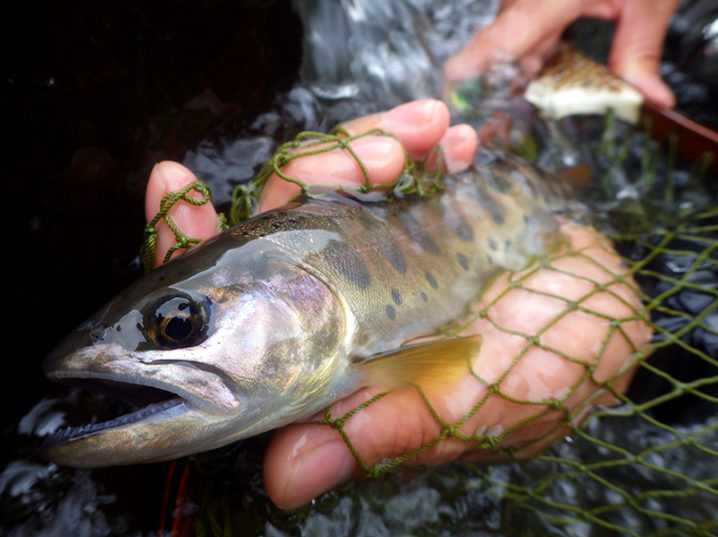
647	465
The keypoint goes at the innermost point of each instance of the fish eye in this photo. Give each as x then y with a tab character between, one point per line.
175	322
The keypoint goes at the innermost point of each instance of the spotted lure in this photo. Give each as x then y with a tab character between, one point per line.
278	317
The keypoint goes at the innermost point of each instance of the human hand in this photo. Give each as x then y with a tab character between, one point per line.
304	460
420	126
528	30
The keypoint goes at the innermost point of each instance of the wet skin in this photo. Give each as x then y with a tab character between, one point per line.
305	460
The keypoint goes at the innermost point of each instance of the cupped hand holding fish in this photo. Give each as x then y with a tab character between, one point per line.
554	345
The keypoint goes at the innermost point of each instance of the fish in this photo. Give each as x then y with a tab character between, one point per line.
274	319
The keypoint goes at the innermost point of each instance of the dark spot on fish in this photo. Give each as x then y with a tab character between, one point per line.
493	245
161	278
390	312
502	184
488	258
492	207
348	262
456	221
463	229
461	258
277	225
418	234
474	193
424	297
432	281
396	258
526	219
507	245
495	212
527	179
396	296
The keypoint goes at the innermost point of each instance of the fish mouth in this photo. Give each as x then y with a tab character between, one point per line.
140	403
160	425
174	406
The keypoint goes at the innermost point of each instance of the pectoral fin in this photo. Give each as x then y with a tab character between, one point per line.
435	366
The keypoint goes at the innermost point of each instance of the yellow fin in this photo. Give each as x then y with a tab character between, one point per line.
435	366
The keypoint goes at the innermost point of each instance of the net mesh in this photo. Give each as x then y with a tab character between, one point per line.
644	466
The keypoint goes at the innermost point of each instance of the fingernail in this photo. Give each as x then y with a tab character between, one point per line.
458	134
173	175
459	143
375	151
414	114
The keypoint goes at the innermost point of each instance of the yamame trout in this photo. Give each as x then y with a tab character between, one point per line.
278	317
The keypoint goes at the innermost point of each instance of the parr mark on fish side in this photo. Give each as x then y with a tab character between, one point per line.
461	258
418	234
491	205
347	262
463	229
396	258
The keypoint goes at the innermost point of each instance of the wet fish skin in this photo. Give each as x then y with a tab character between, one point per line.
276	318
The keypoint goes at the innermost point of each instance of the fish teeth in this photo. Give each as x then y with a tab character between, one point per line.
137	415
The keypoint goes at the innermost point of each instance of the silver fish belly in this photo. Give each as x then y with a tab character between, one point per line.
276	318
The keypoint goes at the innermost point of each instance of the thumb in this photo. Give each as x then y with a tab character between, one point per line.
303	461
196	221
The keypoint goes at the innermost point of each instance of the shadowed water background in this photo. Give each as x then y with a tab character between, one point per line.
96	95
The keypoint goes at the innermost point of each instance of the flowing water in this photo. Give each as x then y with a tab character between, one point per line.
123	86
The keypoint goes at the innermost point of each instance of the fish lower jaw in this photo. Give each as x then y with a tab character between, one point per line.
155	402
73	433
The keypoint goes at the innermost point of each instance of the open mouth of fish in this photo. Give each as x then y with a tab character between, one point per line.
133	402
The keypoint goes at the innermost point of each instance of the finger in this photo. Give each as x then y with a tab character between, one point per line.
197	221
305	460
533	61
518	30
637	47
458	147
382	156
419	125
